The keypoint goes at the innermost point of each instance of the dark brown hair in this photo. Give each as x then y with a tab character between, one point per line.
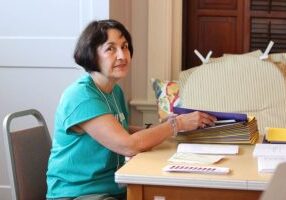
94	35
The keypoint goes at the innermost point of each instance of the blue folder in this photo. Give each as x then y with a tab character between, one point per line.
238	117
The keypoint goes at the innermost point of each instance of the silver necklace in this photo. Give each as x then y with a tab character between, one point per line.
120	114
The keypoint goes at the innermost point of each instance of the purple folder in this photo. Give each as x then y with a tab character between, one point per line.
239	117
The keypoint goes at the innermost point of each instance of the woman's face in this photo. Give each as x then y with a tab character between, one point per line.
114	56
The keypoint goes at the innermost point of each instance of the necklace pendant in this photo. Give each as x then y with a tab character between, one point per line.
121	117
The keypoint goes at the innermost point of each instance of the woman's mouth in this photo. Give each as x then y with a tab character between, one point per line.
121	65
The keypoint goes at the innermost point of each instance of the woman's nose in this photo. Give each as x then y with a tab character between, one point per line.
120	54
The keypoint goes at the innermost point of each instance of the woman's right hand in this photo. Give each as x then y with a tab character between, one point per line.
194	120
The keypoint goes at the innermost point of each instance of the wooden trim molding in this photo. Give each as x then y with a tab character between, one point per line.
142	105
159	41
163	51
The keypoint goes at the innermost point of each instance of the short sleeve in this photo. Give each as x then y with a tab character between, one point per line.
86	110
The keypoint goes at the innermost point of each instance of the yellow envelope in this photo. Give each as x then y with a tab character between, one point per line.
276	134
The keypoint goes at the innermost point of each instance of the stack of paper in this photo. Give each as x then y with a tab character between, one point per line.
269	156
275	135
202	153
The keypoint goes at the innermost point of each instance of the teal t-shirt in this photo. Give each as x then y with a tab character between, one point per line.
78	164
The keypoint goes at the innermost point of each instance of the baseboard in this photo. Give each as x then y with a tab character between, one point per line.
5	192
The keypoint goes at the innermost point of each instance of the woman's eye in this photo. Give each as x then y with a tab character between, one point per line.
110	49
125	46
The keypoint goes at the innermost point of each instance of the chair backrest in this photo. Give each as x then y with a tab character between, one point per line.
239	83
276	187
27	153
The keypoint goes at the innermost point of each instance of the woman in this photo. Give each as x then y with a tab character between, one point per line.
91	134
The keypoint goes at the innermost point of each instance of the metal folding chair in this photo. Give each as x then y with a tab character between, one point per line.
27	152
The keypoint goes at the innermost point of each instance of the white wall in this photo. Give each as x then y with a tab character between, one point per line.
37	39
36	43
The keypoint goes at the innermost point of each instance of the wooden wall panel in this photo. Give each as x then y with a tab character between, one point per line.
211	25
218	4
218	34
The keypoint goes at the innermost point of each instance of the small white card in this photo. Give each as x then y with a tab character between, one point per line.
208	148
196	169
268	164
190	158
269	150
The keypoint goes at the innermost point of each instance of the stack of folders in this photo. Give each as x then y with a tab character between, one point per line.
242	130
